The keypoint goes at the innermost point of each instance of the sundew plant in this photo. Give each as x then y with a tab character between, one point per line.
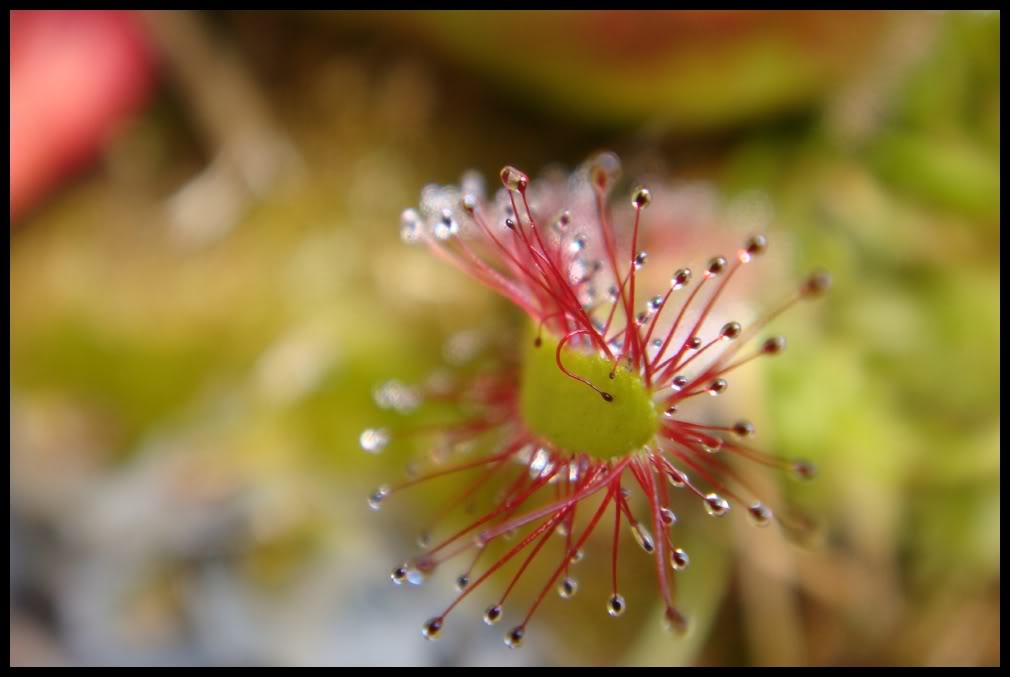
599	397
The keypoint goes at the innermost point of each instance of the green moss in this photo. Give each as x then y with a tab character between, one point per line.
574	417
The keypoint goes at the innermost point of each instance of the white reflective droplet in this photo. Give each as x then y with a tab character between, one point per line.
541	463
374	440
410	226
716	505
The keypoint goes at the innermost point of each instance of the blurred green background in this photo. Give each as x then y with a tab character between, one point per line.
199	317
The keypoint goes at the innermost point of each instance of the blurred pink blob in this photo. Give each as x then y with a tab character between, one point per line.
74	77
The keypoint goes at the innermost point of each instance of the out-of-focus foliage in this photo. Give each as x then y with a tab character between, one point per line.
186	483
683	70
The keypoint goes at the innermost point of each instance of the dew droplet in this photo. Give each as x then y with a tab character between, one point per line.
410	226
446	226
567	588
415	576
374	440
432	628
564	219
396	396
514	637
604	169
755	246
667	516
677	479
378	496
678	382
803	470
641	197
643	537
716	266
577	244
469	203
817	284
423	540
717	387
730	331
513	179
640	258
760	515
461	582
694	343
616	605
613	293
399	574
679	559
655	303
492	615
716	505
670	411
675	622
681	278
744	428
472	183
773	345
577	272
578	556
541	463
712	445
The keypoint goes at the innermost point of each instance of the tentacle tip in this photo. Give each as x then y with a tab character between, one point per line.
432	628
817	284
676	622
514	637
514	179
